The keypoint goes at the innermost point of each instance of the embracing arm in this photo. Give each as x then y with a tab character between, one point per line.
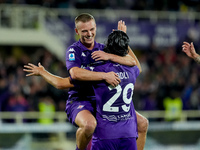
125	60
135	58
129	60
56	81
122	26
86	75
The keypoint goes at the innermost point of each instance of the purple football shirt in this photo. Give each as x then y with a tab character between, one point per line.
77	55
116	117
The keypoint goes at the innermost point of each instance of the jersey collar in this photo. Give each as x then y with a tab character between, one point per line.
85	49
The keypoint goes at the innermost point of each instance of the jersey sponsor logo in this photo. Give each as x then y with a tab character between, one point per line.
110	118
71	57
80	106
71	50
124	116
116	118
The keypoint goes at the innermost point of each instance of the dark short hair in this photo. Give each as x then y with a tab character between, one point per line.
84	17
117	43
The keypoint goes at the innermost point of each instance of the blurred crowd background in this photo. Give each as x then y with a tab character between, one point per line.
169	77
163	5
20	93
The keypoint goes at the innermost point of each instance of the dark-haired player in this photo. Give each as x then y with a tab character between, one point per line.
116	117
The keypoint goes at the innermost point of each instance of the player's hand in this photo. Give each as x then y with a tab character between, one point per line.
112	78
33	70
100	55
189	49
122	26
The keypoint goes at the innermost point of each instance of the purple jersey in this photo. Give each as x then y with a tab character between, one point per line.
116	117
77	55
114	144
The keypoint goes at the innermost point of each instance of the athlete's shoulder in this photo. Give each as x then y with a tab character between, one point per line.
99	45
131	67
74	47
136	70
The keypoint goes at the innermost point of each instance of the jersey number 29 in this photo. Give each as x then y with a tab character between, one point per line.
108	105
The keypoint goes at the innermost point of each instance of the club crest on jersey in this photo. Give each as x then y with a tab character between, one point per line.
71	57
80	106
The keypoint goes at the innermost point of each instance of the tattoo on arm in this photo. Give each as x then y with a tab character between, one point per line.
197	59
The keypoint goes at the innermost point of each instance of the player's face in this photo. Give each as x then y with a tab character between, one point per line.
86	32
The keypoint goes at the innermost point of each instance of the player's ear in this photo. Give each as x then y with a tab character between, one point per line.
76	30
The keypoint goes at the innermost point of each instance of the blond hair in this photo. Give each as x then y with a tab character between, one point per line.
84	17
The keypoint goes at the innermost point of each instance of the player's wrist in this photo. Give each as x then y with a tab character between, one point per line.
197	58
111	57
195	55
104	76
41	72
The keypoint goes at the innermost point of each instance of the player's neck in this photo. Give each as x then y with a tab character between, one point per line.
89	46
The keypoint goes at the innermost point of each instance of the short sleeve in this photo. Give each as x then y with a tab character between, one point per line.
73	57
137	71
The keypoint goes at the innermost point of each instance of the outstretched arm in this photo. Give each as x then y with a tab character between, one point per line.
56	81
190	51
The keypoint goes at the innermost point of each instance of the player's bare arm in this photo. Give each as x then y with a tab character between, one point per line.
190	51
56	81
126	60
132	54
122	26
86	75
